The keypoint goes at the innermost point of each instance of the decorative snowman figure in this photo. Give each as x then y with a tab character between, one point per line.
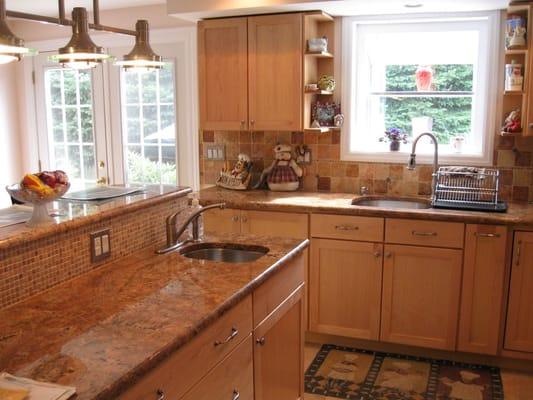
284	173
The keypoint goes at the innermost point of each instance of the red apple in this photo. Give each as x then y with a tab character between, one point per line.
48	178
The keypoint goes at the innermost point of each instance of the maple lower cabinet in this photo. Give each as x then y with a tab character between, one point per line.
250	73
482	289
421	291
275	72
278	352
345	288
519	329
221	222
222	73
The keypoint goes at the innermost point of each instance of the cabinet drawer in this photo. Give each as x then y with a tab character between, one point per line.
270	223
188	365
231	379
268	296
366	229
424	233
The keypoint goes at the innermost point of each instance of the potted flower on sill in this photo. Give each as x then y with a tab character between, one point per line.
394	136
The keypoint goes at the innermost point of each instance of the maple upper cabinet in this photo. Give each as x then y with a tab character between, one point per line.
482	293
519	331
275	72
421	291
222	73
250	73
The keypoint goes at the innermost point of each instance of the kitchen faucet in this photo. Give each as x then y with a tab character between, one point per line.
173	233
411	164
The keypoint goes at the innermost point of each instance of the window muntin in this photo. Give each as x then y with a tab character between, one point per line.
149	126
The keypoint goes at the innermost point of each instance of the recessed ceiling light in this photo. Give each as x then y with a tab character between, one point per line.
413	5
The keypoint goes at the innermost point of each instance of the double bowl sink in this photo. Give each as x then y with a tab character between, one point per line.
238	253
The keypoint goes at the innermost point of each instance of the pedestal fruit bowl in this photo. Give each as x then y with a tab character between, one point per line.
40	189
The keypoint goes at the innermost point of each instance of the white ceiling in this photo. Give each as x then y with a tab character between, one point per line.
49	7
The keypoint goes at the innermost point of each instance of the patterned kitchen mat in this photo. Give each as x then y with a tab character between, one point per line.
347	373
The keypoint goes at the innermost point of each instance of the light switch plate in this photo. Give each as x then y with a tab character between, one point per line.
100	245
214	152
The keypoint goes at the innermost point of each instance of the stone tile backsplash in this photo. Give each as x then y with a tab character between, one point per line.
326	172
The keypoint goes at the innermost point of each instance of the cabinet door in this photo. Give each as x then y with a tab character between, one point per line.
482	292
222	221
275	72
223	73
345	288
232	379
421	288
519	331
278	352
270	223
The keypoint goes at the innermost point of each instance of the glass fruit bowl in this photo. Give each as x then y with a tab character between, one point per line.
39	201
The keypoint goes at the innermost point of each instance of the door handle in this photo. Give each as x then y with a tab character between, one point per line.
487	235
234	332
427	234
160	394
236	395
517	263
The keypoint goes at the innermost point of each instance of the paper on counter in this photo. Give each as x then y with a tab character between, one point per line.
34	390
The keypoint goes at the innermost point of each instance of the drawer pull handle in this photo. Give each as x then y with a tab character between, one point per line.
260	341
377	254
418	233
234	332
160	394
487	235
236	395
346	228
518	253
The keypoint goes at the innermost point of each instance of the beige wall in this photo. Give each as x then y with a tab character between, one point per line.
121	18
10	156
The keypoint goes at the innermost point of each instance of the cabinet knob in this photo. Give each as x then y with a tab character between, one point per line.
260	341
244	218
160	394
235	218
377	254
388	254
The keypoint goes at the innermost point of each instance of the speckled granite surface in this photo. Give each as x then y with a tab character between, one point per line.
101	331
76	214
520	214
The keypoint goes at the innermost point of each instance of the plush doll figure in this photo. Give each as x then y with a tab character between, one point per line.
284	173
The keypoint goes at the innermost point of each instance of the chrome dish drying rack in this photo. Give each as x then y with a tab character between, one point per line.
466	188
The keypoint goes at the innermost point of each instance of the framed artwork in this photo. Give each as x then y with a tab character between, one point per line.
325	113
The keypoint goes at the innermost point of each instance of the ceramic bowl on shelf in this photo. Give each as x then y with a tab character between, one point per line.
39	201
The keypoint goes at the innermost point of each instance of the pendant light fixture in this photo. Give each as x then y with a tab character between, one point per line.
80	52
11	47
141	57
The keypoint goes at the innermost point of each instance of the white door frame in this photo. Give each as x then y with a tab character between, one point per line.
186	98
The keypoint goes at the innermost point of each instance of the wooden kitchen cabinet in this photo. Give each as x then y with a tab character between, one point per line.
482	289
345	288
278	352
421	290
275	72
222	73
250	73
519	329
221	222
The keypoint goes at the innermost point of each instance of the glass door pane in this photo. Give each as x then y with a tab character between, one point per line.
149	125
69	111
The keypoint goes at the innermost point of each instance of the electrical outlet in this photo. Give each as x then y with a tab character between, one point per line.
100	245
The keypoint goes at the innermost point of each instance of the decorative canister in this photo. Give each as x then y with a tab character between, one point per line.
326	82
513	77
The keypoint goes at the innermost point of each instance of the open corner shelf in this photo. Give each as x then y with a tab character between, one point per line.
323	129
318	91
513	93
319	54
318	16
517	133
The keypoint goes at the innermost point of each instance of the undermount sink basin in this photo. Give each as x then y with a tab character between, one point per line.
224	252
391	202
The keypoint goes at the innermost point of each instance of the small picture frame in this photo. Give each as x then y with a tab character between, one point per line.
325	113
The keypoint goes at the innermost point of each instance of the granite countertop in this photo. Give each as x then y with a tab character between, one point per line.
519	214
100	332
73	214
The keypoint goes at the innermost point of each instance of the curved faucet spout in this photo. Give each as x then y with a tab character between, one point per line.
411	163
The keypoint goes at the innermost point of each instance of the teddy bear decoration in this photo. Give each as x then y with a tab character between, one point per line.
284	174
237	178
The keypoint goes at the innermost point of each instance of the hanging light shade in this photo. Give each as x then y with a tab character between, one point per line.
11	47
80	52
141	56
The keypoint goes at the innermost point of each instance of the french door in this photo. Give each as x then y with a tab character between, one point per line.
71	127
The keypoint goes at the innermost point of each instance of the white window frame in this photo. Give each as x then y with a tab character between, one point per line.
184	41
489	93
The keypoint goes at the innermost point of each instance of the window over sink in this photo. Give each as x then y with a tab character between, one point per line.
420	73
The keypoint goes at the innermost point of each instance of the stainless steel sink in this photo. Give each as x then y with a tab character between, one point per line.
224	252
392	202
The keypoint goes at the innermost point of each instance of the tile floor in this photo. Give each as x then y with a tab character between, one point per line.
516	386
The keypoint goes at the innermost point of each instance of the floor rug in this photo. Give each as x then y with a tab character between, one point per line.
347	373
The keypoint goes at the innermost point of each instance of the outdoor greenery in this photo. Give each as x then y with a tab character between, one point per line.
451	115
143	170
